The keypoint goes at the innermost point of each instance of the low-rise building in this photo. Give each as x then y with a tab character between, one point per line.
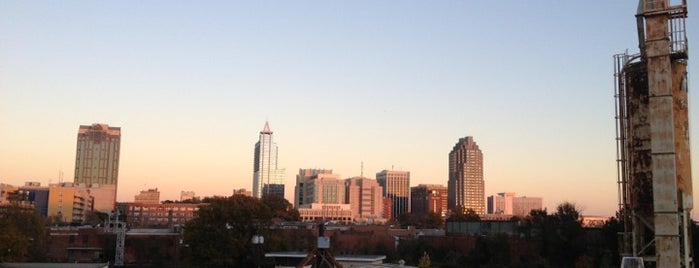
429	198
326	212
159	215
150	196
69	203
510	204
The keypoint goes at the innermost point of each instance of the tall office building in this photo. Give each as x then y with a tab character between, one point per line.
324	188
396	185
466	185
267	177
303	180
428	198
97	161
365	197
320	195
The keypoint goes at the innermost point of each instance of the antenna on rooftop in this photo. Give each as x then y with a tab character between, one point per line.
362	170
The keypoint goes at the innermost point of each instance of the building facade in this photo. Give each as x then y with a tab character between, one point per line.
159	215
324	188
428	198
268	178
104	196
187	195
69	203
97	157
522	206
303	180
242	191
510	204
326	212
6	192
396	185
466	184
500	203
150	196
37	195
365	197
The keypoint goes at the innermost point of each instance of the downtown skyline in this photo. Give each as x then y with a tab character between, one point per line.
345	85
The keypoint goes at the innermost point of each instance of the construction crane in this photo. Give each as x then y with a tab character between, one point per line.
654	172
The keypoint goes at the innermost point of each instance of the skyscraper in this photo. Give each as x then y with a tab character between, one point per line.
396	185
97	162
267	178
466	177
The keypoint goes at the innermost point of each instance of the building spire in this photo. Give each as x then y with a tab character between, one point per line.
266	130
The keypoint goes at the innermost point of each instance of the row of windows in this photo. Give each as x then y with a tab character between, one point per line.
163	208
183	214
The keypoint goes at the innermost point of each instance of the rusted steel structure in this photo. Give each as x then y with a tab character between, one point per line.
654	178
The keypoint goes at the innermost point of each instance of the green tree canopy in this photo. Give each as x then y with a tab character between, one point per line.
430	220
281	208
221	233
461	214
22	235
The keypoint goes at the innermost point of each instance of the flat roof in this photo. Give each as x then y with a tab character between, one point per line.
52	265
301	255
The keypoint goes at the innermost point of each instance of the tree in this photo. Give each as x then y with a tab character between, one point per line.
22	235
561	234
430	220
461	214
281	208
424	260
567	237
610	240
491	251
220	234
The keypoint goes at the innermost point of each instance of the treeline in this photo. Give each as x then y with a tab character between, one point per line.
221	235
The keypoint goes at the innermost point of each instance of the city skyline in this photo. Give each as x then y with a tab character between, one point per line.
356	87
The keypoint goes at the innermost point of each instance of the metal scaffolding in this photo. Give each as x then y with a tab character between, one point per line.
654	178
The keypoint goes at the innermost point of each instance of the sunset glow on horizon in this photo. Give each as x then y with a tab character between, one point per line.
357	87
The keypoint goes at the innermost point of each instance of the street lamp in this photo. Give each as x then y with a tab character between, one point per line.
257	241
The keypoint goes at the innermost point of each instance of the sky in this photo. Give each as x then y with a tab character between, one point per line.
343	84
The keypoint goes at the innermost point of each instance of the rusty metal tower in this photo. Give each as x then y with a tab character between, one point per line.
654	178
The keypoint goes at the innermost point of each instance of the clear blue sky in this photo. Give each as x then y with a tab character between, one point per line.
389	83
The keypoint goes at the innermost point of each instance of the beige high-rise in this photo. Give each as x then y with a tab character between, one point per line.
466	184
97	159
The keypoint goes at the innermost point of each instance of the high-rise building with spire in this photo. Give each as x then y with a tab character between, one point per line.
267	177
466	185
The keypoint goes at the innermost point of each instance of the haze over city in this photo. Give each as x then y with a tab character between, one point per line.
389	84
